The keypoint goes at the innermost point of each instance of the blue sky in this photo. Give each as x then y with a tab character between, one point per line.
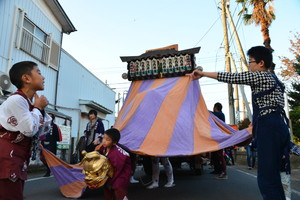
110	29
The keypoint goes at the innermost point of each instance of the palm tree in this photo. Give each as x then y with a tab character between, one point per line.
262	14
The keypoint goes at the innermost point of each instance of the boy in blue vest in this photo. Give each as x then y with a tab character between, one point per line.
270	127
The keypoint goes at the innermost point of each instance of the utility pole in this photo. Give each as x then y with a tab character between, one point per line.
225	3
236	92
242	54
243	61
243	106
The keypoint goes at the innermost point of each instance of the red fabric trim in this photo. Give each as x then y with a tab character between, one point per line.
14	157
11	190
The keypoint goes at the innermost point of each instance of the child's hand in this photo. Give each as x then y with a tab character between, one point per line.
40	102
97	148
196	74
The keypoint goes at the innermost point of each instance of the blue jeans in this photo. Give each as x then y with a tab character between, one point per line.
251	156
272	138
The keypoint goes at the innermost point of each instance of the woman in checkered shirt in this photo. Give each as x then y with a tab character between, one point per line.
269	121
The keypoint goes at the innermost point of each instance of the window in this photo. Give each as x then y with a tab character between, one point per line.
54	55
35	42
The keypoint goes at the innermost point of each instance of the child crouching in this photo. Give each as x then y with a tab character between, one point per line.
116	187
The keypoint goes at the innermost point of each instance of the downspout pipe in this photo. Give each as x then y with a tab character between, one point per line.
57	73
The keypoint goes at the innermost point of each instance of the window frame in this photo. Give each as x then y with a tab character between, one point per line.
31	44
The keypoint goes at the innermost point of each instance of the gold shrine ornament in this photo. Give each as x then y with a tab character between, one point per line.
97	169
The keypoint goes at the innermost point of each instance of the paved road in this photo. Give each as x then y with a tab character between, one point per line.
241	184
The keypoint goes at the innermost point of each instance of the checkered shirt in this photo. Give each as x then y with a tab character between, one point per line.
258	81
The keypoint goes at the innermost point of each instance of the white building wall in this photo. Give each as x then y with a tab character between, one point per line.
76	82
42	19
6	20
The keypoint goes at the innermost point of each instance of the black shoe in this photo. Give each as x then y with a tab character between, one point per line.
214	172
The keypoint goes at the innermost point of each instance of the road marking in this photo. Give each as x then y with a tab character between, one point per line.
35	179
293	191
246	173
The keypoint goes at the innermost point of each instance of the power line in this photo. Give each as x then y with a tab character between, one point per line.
119	83
207	31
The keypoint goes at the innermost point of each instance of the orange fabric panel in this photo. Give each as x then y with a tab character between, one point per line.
202	129
138	99
73	190
235	127
166	119
221	127
135	89
54	161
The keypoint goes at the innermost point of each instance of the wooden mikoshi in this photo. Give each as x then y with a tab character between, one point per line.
161	63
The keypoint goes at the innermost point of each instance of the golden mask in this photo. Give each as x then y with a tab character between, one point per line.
97	169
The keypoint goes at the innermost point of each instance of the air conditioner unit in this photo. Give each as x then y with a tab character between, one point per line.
4	81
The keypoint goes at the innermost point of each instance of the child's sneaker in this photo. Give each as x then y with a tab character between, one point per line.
132	180
222	176
168	185
152	186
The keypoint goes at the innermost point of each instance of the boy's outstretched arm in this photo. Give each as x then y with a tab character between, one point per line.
196	74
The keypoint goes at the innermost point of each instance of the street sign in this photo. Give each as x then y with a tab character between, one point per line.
66	137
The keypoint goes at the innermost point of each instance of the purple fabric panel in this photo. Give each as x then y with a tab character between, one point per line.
141	122
126	111
237	137
65	176
224	139
144	86
182	141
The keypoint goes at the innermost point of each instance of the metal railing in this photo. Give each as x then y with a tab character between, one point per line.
34	46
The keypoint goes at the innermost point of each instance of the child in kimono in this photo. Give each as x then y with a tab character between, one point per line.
116	187
270	126
20	121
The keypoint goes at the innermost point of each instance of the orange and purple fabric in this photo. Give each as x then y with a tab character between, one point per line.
69	178
169	117
161	117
